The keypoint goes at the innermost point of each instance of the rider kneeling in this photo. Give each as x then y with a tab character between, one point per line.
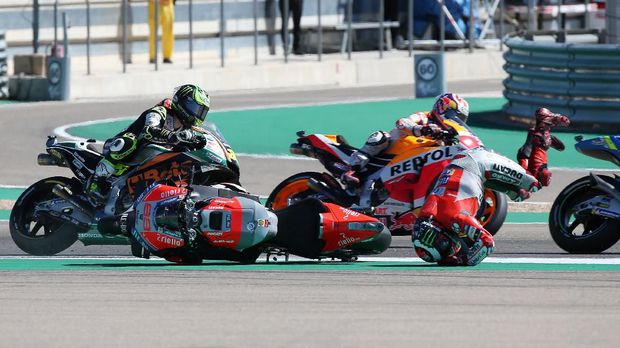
168	123
447	230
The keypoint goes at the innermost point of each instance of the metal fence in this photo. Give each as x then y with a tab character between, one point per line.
226	11
4	79
579	79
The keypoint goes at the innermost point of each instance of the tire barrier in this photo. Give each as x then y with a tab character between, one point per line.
4	78
580	80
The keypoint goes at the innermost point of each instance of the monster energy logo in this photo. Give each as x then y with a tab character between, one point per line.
428	238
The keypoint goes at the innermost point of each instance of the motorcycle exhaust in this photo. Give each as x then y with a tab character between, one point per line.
64	193
604	186
299	149
44	159
336	196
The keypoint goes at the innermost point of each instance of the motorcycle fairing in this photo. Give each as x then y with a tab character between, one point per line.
330	144
606	148
314	229
342	227
80	157
146	229
236	223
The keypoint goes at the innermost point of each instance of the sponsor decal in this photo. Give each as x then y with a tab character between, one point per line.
162	238
438	191
77	164
146	223
415	164
347	240
348	212
263	223
175	170
381	211
443	179
508	171
505	174
172	192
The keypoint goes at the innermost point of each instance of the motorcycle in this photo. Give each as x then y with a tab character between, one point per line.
585	216
53	213
192	223
395	183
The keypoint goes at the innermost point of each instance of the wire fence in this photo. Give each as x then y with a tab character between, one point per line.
222	20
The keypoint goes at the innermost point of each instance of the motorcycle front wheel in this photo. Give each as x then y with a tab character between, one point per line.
581	232
37	235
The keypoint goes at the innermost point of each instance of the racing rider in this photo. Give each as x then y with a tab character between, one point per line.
446	106
447	230
168	123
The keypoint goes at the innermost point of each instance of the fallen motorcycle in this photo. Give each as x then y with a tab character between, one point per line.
585	216
53	213
398	181
189	224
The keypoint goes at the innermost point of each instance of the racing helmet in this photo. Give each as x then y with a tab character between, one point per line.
431	243
190	104
450	106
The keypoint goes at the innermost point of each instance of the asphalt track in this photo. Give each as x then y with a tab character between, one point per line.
568	302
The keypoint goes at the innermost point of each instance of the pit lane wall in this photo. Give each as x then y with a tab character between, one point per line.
580	80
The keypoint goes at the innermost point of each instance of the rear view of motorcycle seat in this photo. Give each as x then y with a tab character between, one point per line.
299	226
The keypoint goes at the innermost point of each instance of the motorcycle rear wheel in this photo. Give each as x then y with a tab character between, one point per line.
493	211
596	233
25	228
293	189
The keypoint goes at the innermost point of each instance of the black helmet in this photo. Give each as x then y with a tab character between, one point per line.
190	104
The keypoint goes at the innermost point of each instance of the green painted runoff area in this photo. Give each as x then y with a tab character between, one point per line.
272	130
10	193
517	217
54	264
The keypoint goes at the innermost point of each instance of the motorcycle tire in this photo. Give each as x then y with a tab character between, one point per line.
295	188
493	210
599	233
25	228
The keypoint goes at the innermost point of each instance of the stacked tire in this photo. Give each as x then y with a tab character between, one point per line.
4	74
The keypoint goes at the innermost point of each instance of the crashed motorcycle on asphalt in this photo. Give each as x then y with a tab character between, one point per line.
585	216
192	223
396	182
53	213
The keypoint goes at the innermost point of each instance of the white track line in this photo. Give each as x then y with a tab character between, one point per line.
496	260
62	132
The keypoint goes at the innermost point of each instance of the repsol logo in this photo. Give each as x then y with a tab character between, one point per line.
508	171
414	164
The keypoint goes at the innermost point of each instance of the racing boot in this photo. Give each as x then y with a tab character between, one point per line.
98	186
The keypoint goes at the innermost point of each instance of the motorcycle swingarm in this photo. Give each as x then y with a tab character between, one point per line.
600	205
61	210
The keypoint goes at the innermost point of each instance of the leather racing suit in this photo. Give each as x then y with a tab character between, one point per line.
454	202
156	125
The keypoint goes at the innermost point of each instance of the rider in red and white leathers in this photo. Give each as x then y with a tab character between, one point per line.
447	230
